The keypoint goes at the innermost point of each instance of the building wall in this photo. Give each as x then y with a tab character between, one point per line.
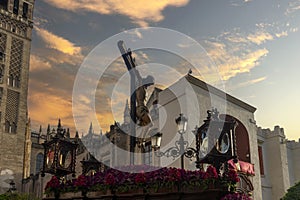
293	151
111	148
192	98
15	29
265	182
36	149
247	119
280	160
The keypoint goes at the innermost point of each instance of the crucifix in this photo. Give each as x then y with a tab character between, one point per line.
138	110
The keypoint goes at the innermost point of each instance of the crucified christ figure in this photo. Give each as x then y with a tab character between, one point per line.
142	112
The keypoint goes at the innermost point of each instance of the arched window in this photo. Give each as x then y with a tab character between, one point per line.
242	139
16	7
13	81
25	10
10	80
17	82
39	162
3	4
7	127
13	128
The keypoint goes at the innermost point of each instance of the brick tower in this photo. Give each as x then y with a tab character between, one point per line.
15	40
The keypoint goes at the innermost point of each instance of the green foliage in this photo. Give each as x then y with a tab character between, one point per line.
17	196
293	193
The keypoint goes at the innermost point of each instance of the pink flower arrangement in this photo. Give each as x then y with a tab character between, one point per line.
140	178
109	179
232	176
81	181
53	184
211	172
147	180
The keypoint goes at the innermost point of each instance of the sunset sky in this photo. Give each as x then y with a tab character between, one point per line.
255	45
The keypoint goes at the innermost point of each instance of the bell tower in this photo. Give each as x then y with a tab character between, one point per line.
15	40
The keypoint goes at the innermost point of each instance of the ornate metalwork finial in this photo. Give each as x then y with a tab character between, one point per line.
68	133
59	128
208	114
91	129
48	129
215	113
40	131
59	123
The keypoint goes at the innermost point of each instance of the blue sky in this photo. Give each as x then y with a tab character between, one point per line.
254	44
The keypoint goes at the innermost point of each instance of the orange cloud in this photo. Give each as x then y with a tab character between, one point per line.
45	108
257	80
62	58
293	6
38	63
237	65
141	12
282	34
58	43
105	119
236	52
264	32
232	60
247	83
260	37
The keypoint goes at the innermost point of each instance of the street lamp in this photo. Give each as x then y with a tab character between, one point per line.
181	122
219	133
223	147
59	152
156	140
181	146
